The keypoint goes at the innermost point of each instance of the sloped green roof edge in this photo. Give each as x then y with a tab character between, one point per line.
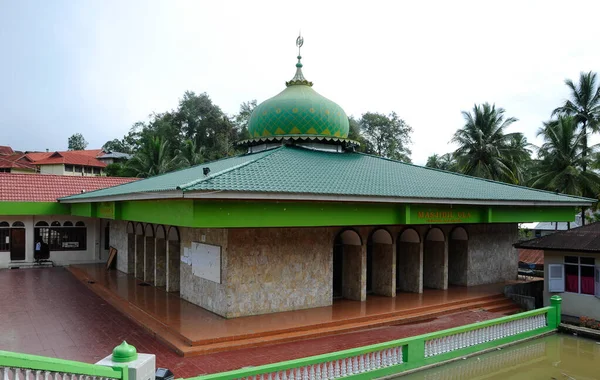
296	170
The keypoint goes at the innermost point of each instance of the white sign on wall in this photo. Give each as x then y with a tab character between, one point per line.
206	261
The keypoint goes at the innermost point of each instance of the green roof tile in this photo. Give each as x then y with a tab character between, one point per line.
299	170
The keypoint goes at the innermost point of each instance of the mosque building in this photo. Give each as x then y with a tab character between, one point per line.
302	219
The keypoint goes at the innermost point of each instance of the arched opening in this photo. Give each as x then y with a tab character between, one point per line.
458	257
409	259
67	224
347	266
435	268
139	251
380	264
149	254
130	248
160	267
173	259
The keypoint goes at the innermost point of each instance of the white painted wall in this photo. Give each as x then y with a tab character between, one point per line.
573	304
94	246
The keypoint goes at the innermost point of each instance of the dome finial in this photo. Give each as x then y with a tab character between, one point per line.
299	79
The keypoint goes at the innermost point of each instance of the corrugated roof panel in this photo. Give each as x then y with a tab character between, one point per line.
300	170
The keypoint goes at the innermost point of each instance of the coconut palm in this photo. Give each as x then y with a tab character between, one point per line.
484	149
562	159
443	162
152	158
584	106
190	154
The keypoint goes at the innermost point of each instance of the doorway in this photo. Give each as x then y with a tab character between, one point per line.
348	267
17	243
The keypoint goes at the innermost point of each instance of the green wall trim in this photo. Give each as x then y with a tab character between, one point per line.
178	212
34	362
34	208
256	214
294	214
83	209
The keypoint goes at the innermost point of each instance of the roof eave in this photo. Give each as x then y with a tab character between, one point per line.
234	195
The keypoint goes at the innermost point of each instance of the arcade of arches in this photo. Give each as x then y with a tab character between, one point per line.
410	260
152	253
267	270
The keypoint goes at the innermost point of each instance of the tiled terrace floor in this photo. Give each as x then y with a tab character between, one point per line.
48	312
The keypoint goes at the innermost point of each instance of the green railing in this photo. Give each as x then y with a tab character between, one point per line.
367	362
23	366
401	355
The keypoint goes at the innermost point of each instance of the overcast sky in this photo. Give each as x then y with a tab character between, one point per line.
96	67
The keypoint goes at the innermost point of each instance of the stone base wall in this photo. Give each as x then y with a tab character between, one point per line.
118	239
160	270
278	269
384	267
492	257
352	276
266	270
140	241
206	293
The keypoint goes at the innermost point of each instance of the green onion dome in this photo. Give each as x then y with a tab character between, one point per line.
298	111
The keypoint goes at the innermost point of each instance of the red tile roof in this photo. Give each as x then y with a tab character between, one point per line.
16	160
531	256
6	150
48	188
70	158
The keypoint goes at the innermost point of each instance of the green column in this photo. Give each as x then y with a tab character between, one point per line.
554	320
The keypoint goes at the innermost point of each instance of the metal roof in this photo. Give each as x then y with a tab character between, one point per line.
296	170
585	239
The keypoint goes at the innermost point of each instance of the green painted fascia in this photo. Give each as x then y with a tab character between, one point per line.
34	208
532	214
294	214
256	214
83	209
179	212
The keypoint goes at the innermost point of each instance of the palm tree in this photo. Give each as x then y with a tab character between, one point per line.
518	154
443	162
152	158
484	150
584	106
190	154
562	159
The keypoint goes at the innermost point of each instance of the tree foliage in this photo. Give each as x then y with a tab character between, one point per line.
563	157
77	142
443	162
584	106
387	135
485	149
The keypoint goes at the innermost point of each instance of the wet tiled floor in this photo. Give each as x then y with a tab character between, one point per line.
48	312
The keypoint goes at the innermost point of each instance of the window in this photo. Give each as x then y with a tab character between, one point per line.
78	169
4	236
62	238
88	169
97	171
69	168
579	274
4	170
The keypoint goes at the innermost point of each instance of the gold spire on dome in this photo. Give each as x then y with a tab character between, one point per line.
299	79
